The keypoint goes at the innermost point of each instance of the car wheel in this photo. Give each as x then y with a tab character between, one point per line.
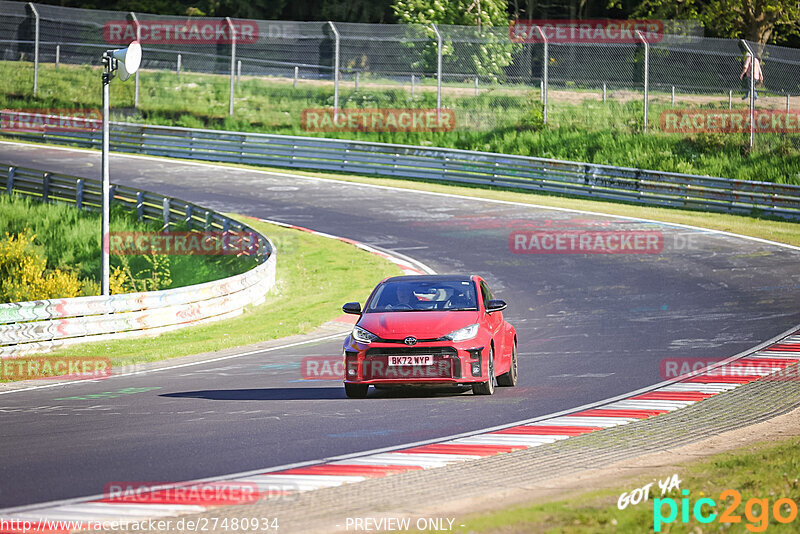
356	391
486	388
510	378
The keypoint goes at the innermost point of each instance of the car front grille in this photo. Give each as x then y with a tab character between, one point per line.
446	363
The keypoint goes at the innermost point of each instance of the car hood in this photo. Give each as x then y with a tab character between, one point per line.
420	324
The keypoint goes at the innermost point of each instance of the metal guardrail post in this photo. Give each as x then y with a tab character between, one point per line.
35	49
188	218
438	71
752	91
45	187
233	61
545	64
138	39
79	194
140	205
165	209
10	182
335	71
646	75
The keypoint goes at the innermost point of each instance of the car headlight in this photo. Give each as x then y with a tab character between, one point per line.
363	336
463	334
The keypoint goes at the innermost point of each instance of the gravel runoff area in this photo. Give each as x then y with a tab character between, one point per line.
756	411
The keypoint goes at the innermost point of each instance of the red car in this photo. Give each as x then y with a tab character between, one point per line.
439	330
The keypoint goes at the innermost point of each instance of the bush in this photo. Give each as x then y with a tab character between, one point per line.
533	117
23	275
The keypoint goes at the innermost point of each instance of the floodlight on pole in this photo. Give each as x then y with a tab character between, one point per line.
124	61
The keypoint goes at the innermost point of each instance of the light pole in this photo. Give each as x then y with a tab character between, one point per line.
125	62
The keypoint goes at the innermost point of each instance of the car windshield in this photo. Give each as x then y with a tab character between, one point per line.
423	295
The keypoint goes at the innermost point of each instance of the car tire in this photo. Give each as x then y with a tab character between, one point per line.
509	379
356	391
486	388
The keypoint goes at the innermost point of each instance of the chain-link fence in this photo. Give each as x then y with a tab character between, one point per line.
266	75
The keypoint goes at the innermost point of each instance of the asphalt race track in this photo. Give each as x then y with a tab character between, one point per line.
590	326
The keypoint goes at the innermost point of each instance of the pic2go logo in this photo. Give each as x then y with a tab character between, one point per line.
757	511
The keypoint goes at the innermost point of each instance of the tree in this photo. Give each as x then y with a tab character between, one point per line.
760	21
487	55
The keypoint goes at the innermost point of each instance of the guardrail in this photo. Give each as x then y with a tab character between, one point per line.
450	165
37	326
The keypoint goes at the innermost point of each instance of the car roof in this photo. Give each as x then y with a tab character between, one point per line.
431	278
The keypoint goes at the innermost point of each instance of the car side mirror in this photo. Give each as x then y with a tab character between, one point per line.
495	305
352	307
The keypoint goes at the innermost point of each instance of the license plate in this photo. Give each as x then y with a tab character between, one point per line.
411	360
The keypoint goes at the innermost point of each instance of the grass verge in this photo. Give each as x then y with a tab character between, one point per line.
315	276
505	119
69	240
761	471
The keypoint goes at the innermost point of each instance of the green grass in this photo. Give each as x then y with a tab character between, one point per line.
315	276
760	471
69	239
587	130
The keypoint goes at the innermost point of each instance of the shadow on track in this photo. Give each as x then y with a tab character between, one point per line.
318	393
262	394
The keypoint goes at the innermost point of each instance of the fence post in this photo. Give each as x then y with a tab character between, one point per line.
604	91
35	49
58	55
296	74
178	69
238	71
138	39
752	91
673	95
165	206
45	187
545	62
79	194
233	61
413	80
438	71
140	205
335	70
476	86
730	98
646	74
356	81
10	183
787	102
